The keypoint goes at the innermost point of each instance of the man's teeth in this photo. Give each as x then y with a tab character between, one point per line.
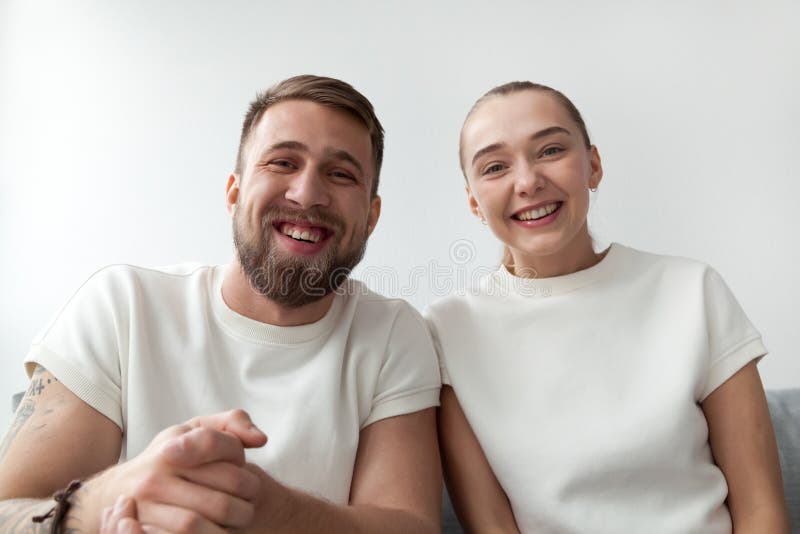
313	235
538	213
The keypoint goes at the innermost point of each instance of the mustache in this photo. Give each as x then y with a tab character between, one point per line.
313	216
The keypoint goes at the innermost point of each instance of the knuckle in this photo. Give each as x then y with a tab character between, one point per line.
190	521
205	439
239	414
240	484
171	432
244	515
147	486
223	507
247	484
194	422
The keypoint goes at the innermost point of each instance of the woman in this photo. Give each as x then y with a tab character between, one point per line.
612	391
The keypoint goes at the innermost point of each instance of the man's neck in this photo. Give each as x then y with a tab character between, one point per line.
240	297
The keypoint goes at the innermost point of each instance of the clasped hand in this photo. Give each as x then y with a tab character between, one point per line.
191	478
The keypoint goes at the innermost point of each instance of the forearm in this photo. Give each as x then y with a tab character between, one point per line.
767	518
16	517
300	512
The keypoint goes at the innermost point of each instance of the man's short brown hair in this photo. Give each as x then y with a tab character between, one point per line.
327	92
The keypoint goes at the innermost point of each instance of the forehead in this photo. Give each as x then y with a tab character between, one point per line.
512	118
321	128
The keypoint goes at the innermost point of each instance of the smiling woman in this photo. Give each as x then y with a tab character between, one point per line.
591	390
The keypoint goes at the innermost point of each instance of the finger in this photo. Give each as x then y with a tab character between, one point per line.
203	445
158	517
236	422
124	510
104	520
216	506
128	525
225	477
105	527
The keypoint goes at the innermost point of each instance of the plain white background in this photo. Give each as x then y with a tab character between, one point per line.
119	123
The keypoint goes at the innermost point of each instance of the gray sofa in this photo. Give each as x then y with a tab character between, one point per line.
784	406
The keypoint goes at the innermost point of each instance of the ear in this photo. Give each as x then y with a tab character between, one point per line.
473	203
232	193
374	214
596	167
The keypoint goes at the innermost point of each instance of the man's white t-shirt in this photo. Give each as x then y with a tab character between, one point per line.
584	390
151	348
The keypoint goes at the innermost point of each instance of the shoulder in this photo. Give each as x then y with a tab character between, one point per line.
486	295
120	286
384	320
667	267
119	275
377	307
439	310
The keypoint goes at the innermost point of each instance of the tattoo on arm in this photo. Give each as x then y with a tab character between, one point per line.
16	514
26	407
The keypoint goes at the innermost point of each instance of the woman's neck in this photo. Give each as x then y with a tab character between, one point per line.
576	256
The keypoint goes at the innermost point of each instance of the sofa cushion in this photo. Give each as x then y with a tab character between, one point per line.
784	407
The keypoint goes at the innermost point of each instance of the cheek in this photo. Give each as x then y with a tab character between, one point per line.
576	173
491	198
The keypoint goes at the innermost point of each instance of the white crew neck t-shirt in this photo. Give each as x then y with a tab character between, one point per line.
583	390
149	348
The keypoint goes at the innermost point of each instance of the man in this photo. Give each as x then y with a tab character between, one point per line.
344	381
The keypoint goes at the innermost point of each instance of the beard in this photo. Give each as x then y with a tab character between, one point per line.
295	280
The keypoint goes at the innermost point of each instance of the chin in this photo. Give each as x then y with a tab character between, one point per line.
543	245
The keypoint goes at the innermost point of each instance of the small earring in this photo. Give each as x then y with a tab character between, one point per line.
483	222
593	189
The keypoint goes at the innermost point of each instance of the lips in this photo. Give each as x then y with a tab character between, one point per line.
537	212
302	232
298	236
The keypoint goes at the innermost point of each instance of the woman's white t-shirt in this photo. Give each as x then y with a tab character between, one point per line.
584	390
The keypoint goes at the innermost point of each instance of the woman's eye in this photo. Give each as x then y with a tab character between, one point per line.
494	168
551	151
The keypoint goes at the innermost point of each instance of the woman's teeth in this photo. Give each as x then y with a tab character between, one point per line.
305	234
544	211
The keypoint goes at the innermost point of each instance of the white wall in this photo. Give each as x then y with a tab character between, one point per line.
119	123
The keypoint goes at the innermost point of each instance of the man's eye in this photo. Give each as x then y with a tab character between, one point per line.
281	163
494	168
343	175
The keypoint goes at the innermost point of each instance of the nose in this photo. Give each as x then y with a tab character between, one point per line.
307	189
529	181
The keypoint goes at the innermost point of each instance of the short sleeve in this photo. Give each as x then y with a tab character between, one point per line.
80	347
409	377
733	341
437	347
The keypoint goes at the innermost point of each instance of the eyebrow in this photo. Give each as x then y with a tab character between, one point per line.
331	153
346	156
538	135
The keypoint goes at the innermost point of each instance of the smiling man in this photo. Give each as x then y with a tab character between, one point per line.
148	385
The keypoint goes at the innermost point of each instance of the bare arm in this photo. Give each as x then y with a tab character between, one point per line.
396	486
54	438
743	443
478	499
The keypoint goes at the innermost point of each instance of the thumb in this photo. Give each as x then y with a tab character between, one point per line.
236	422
